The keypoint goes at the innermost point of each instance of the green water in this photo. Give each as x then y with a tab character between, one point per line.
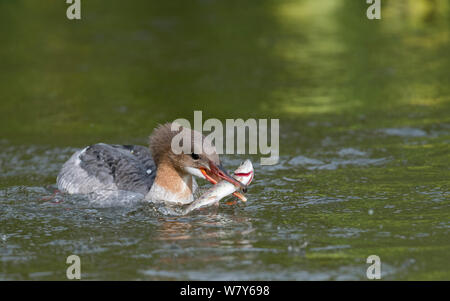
364	109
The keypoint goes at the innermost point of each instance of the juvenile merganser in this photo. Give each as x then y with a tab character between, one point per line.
156	172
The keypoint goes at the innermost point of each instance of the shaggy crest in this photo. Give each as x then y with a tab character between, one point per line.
160	141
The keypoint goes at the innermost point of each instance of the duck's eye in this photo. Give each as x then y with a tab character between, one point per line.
195	156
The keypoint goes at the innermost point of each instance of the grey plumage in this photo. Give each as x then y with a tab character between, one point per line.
102	167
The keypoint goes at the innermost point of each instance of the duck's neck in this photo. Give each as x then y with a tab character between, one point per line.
171	185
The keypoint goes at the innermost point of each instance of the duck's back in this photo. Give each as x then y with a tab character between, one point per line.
102	167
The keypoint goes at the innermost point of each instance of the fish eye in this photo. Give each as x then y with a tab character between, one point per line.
195	156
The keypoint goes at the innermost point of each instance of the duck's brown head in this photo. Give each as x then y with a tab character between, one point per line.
198	157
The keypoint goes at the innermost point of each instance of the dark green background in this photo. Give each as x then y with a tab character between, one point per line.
335	79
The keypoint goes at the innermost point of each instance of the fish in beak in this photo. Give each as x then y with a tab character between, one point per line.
215	173
223	174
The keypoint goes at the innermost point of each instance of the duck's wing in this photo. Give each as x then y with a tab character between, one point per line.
108	167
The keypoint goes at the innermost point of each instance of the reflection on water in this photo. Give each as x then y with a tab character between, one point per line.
363	109
221	225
